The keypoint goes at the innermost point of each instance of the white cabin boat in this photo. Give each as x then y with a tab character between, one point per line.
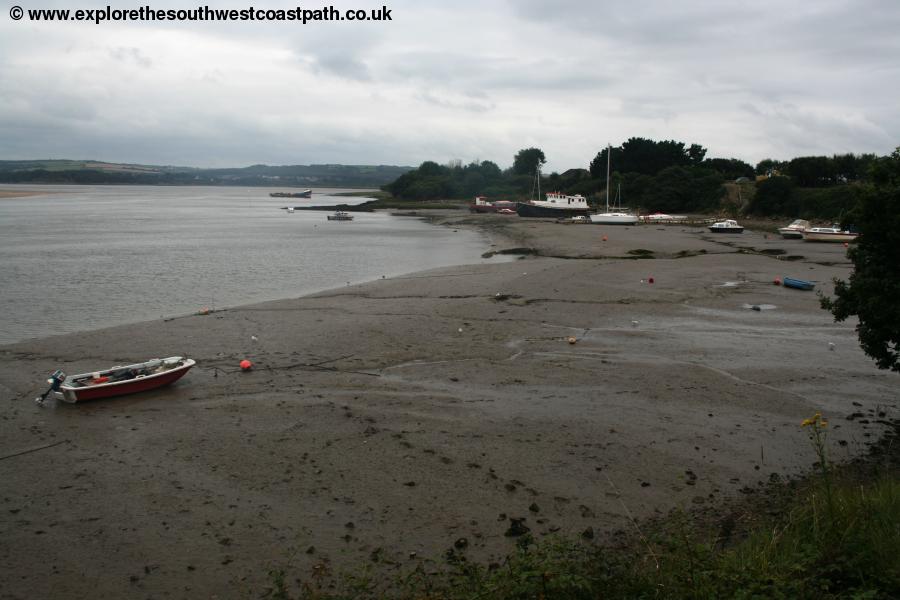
726	226
829	234
795	230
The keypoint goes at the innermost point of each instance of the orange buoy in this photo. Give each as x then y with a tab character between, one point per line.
204	311
246	365
604	238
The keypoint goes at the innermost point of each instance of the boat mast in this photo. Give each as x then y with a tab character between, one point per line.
608	154
536	185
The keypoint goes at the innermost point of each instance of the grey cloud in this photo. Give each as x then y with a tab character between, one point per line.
130	55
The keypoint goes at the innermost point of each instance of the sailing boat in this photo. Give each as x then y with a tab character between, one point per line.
613	217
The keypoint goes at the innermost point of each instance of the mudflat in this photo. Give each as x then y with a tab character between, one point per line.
21	193
387	422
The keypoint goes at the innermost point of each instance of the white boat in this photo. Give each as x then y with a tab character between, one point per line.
340	216
726	226
795	230
614	217
829	234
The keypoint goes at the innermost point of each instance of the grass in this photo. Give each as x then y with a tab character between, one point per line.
833	534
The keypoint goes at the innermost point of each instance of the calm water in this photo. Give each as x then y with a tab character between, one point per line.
93	256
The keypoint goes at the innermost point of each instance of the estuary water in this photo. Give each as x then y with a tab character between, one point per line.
86	257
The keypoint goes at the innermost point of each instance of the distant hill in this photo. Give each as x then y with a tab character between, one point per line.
99	172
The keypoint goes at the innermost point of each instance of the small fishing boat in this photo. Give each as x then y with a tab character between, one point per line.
829	234
795	230
726	226
797	284
340	215
119	380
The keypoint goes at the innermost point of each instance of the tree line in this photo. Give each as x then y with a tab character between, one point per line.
666	176
87	172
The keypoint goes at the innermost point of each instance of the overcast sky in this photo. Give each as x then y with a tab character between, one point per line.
465	79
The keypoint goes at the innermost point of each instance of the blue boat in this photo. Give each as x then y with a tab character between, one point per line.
798	284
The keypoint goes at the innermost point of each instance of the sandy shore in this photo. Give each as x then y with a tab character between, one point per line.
21	193
392	419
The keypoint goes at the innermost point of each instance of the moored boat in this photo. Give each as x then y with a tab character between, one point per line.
614	218
340	215
619	215
795	230
556	205
799	284
119	380
726	226
829	234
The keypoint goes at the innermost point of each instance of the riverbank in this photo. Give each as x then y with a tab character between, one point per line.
563	391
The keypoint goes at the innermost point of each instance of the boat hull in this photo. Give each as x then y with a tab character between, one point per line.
797	284
614	219
812	236
726	229
139	384
791	234
530	210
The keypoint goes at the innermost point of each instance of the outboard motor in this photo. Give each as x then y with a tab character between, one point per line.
56	379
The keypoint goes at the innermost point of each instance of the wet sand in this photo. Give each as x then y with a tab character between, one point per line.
21	193
393	419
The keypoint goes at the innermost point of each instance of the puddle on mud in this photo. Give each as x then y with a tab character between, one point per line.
760	306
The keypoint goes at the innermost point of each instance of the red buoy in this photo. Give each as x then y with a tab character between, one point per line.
650	280
777	281
246	365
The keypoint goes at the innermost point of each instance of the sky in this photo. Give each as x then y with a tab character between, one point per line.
467	80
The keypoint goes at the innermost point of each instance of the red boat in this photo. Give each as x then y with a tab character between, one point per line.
120	380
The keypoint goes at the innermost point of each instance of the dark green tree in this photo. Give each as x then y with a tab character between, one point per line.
696	153
812	171
598	165
730	168
873	288
774	196
684	189
769	167
528	160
